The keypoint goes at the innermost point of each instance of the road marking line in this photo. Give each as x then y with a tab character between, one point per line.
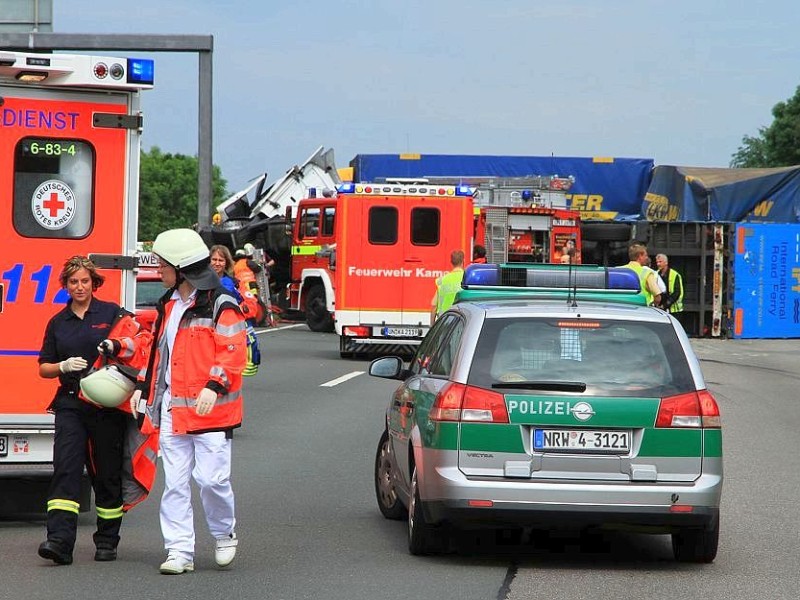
341	379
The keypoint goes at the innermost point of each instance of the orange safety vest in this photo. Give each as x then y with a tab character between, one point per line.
141	453
210	351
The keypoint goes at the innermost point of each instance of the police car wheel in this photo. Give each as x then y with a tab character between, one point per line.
697	545
385	491
423	538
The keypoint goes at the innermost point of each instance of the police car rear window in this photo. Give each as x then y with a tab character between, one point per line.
620	358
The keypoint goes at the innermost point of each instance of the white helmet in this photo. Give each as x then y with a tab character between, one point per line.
181	247
107	386
185	250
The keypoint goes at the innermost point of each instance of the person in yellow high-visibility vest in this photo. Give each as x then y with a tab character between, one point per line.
648	278
672	300
447	285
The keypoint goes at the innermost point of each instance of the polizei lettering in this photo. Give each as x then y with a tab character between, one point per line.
400	272
29	118
540	407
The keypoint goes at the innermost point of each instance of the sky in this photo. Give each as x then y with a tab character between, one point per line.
677	81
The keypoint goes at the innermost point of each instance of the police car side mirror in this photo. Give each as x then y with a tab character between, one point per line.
388	367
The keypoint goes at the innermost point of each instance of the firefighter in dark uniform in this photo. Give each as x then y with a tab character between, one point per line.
84	434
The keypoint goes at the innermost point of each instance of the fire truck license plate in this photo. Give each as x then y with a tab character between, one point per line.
3	445
401	332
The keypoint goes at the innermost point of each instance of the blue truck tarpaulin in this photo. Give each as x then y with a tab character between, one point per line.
766	267
604	188
723	195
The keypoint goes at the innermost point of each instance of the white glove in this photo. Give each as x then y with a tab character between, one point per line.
135	397
205	401
72	364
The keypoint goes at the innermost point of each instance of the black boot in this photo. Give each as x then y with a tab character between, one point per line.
105	554
52	551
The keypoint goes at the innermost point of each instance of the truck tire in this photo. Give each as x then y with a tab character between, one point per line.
606	232
317	316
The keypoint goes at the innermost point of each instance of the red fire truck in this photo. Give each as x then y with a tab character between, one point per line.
69	151
365	261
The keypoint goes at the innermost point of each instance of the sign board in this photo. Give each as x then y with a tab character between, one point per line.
146	260
766	297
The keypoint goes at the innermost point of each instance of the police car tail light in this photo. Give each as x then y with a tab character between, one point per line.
483	405
447	405
459	402
709	410
695	409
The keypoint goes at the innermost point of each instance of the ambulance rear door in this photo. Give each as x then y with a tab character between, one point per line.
68	167
435	227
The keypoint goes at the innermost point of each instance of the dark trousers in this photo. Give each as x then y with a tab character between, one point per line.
94	437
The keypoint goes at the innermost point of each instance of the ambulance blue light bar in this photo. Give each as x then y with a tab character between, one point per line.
141	71
528	277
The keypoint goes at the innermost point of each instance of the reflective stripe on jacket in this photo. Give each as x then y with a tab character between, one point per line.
210	351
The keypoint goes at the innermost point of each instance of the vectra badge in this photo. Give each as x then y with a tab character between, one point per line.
582	411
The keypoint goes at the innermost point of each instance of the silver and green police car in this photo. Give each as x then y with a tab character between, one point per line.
551	395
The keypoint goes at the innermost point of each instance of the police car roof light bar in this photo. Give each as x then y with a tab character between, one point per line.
523	276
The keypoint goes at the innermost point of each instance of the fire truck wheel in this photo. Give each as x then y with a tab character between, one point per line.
317	316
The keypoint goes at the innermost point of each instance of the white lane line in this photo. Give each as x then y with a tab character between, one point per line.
273	329
341	379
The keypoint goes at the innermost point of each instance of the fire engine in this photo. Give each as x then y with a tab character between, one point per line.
69	151
365	261
526	219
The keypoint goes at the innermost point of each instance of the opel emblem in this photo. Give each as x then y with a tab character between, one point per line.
582	411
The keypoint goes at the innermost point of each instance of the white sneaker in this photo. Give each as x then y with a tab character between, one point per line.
176	564
225	550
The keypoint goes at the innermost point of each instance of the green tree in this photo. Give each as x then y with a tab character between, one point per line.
777	145
168	191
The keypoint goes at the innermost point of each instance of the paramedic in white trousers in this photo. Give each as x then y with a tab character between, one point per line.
201	331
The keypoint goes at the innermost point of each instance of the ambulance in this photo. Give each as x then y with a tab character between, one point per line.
69	154
365	261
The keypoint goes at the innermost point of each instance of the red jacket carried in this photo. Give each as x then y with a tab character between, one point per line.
210	351
140	455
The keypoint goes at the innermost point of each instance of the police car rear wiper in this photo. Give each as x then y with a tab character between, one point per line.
552	386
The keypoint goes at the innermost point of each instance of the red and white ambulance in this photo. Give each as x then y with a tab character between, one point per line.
69	174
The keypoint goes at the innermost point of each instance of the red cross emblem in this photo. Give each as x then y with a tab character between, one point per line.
53	204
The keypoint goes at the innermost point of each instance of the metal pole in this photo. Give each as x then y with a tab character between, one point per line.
204	138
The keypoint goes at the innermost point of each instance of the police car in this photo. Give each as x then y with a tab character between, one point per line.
549	395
